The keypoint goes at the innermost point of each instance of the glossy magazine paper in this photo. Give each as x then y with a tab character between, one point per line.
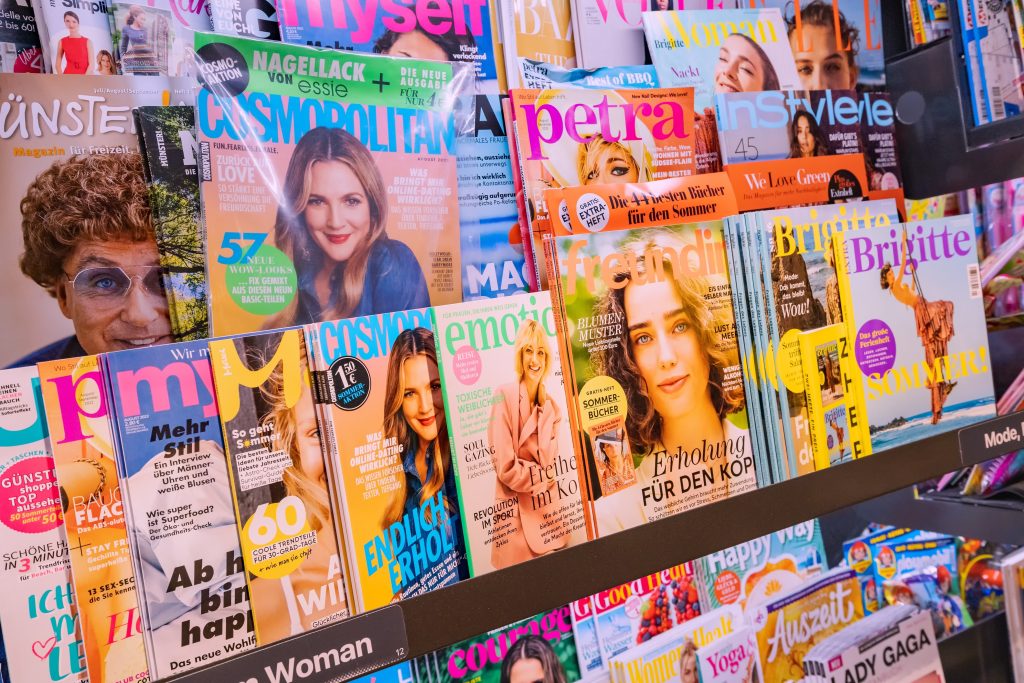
511	446
911	296
538	30
292	241
180	515
245	18
386	432
677	285
571	137
283	499
170	152
444	30
43	638
493	262
75	36
156	38
94	519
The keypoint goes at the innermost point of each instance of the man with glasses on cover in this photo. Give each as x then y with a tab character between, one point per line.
89	241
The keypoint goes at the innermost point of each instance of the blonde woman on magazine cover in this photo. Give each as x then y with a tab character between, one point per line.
599	161
331	224
671	366
296	432
414	416
523	436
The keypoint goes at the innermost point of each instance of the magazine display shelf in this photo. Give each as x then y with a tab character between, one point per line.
941	149
1000	521
979	654
435	620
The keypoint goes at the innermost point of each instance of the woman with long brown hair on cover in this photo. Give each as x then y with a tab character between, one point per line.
414	416
331	223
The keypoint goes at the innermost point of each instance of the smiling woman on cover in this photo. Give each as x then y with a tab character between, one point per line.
331	223
671	363
523	436
414	417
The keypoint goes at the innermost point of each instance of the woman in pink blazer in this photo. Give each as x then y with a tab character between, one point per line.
523	436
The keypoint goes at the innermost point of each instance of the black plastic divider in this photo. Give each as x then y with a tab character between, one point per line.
467	609
981	654
1000	522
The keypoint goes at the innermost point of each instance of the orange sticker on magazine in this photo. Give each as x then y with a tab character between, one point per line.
793	182
618	206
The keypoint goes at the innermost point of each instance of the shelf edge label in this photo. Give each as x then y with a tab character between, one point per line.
331	654
991	438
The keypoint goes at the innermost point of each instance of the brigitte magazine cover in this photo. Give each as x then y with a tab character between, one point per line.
911	298
386	428
72	150
342	208
44	639
511	445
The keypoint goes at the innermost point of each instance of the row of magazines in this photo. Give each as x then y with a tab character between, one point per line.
327	470
837	43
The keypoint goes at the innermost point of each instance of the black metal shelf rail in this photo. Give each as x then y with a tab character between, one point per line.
999	523
436	620
980	654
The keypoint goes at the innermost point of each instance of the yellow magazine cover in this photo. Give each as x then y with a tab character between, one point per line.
835	404
794	621
279	481
101	565
540	30
384	415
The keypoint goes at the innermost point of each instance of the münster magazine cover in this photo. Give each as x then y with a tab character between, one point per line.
331	200
180	515
72	149
94	519
283	500
657	377
511	444
441	30
43	638
912	303
386	427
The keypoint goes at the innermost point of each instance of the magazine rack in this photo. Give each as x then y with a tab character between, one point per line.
941	149
429	622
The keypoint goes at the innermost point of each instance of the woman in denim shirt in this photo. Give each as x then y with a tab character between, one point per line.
331	224
414	416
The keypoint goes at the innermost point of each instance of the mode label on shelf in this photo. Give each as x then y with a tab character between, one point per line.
331	654
992	438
